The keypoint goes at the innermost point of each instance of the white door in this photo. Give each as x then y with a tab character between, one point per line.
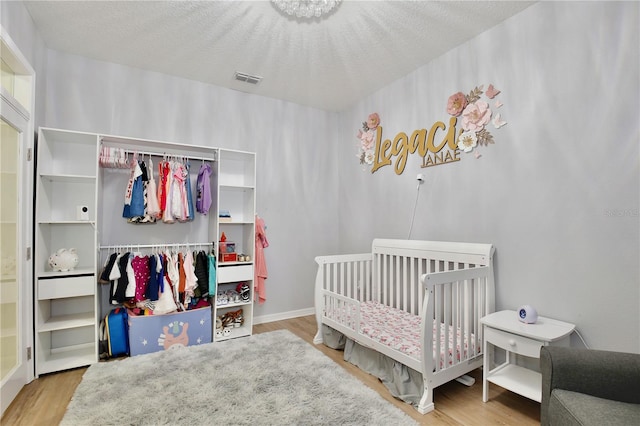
16	218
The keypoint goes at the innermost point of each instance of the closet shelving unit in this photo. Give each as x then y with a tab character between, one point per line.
69	304
66	324
236	194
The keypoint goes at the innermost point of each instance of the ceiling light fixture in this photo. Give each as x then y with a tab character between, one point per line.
306	8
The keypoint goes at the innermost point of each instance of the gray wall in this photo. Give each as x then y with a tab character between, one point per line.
295	146
558	192
17	22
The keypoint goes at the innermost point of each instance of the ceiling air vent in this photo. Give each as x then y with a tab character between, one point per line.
247	78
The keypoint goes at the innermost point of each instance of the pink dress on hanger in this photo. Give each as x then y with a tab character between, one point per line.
260	262
153	206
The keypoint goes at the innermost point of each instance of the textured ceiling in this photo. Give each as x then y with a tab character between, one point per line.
326	63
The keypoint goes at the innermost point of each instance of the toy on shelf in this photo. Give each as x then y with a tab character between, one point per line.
227	250
64	260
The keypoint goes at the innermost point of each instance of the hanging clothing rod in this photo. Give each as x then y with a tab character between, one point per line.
165	154
159	245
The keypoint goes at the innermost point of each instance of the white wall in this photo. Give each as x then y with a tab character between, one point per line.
558	192
295	147
18	24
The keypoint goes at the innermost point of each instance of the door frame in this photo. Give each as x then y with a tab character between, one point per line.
21	117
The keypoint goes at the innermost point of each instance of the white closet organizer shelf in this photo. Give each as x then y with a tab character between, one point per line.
69	175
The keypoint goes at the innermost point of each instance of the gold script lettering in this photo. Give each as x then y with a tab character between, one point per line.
421	141
401	150
381	149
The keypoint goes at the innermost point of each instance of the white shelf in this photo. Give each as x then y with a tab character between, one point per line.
235	332
237	187
68	321
232	305
66	178
68	357
75	273
67	222
223	264
520	380
235	222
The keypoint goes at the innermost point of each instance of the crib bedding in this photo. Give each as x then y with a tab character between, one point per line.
400	330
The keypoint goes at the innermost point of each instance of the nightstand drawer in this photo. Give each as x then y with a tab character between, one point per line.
513	342
66	287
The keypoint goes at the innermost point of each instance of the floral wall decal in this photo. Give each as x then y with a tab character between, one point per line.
441	143
475	114
367	138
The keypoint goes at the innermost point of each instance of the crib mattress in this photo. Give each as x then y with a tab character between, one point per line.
400	330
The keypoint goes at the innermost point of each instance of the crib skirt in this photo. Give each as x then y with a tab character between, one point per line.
402	382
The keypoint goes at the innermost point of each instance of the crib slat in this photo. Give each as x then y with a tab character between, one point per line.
401	262
350	280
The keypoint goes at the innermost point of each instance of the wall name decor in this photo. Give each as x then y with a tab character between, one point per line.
475	115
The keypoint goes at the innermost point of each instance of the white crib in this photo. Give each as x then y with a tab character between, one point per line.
397	299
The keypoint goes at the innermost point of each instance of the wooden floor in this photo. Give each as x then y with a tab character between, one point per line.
44	401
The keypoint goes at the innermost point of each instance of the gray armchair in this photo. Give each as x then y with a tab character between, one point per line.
589	387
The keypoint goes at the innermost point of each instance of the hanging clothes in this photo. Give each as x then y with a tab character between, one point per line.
130	292
179	192
153	206
157	282
190	278
167	216
134	197
166	303
155	268
142	274
190	212
122	280
201	271
203	186
146	217
260	262
212	274
108	266
162	187
173	275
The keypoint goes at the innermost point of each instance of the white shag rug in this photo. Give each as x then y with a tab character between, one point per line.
272	378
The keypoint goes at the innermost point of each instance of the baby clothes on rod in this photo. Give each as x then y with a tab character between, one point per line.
170	200
203	200
175	202
133	196
161	282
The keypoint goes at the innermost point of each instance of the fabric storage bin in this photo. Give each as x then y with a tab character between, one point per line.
155	333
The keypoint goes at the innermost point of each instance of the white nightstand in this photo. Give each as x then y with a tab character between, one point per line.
504	330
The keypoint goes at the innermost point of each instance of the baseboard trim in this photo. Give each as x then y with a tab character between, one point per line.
283	316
